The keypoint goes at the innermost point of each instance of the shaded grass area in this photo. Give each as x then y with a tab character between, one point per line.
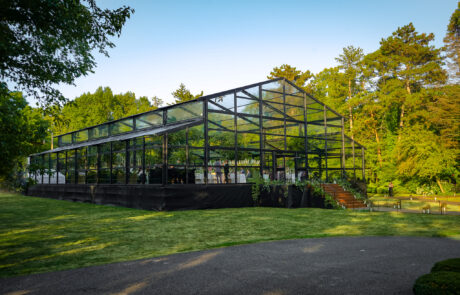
413	204
40	235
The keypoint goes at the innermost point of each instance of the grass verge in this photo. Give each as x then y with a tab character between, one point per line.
40	235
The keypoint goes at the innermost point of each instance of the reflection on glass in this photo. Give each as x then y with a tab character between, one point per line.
122	126
149	120
222	103
185	111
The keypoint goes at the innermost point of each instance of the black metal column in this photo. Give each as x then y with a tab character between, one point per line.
325	142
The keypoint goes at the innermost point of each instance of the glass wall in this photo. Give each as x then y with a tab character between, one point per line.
271	129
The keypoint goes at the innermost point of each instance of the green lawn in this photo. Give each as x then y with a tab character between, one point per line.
39	235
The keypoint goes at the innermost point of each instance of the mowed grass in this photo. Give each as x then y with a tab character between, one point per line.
40	235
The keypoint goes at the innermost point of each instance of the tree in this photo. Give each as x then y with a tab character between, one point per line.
182	94
350	61
423	155
22	132
452	41
48	42
414	62
157	102
99	107
292	74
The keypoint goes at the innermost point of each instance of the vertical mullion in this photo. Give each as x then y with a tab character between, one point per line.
187	150
127	161
342	159
325	142
306	134
144	178
261	141
110	162
206	141
236	137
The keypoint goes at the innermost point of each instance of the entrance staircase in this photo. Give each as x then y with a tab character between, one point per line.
342	196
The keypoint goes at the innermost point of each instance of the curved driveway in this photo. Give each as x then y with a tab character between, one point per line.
341	265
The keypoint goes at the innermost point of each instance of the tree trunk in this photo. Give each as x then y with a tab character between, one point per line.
377	139
439	184
350	109
401	119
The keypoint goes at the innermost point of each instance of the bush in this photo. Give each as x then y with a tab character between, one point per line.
440	282
447	265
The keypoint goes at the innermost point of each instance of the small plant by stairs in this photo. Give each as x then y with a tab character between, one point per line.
342	196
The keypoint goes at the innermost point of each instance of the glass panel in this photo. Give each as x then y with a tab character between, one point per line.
149	120
153	165
81	136
252	92
53	168
122	126
221	121
154	140
295	143
196	157
91	176
248	158
196	136
177	138
185	111
295	129
248	140
247	106
295	113
271	111
221	166
70	175
99	131
104	175
81	165
92	157
274	142
247	124
294	100
224	103
61	167
66	139
247	174
196	175
104	155
273	97
221	138
274	86
176	156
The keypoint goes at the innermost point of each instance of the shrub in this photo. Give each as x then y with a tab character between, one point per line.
447	265
440	282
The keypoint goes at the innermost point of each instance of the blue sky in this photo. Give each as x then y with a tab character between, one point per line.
218	45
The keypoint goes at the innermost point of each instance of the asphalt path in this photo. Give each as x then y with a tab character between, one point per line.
339	265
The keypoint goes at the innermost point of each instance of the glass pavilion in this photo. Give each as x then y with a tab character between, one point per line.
272	128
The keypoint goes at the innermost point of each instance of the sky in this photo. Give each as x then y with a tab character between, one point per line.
212	46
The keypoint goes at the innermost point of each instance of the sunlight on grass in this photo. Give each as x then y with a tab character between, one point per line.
38	235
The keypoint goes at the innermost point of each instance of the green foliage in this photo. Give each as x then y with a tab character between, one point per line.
292	74
452	264
49	42
182	94
22	132
99	107
452	41
443	282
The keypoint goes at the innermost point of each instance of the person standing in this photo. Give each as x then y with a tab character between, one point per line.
226	172
218	171
390	189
